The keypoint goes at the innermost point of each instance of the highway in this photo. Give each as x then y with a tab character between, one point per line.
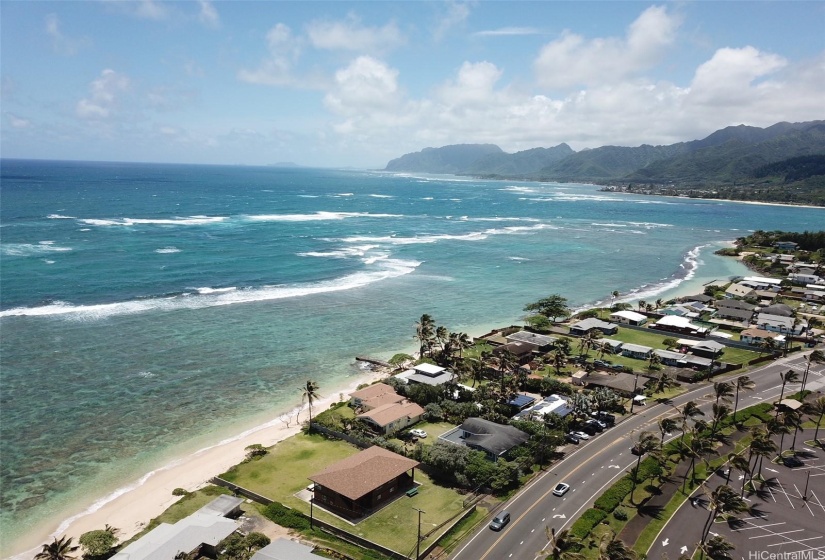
594	465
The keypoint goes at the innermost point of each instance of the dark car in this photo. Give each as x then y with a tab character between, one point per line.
571	438
601	363
597	425
499	521
589	429
605	417
792	461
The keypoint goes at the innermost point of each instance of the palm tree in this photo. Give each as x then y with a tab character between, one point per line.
689	410
720	412
441	336
717	548
698	447
642	305
666	425
562	545
612	548
424	332
818	407
745	384
645	443
760	446
723	391
464	342
789	376
309	394
59	549
817	356
558	360
659	303
723	500
653	361
589	341
737	462
768	345
507	363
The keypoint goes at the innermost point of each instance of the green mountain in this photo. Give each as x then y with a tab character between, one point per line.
723	164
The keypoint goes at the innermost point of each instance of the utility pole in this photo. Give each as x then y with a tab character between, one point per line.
418	540
805	495
633	396
311	502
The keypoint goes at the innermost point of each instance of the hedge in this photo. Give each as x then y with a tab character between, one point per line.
585	524
286	517
614	495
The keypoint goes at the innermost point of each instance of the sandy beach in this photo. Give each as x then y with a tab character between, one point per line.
130	508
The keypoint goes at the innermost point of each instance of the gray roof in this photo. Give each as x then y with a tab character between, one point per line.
285	549
735	313
516	347
165	541
429	380
222	506
636	348
734	303
702	298
532	338
779	309
593	323
692	360
494	438
669	354
711	345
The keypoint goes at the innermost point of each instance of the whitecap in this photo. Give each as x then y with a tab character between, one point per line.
30	249
59	217
190	221
167	250
347	252
433	238
317	216
518	258
384	269
381	196
206	291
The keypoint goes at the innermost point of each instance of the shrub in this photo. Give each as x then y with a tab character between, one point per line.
179	492
614	495
98	543
649	468
254	451
620	514
286	517
585	524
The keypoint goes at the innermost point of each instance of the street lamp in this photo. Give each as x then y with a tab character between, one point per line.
418	541
633	396
311	503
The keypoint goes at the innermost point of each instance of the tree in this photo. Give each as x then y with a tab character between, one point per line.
670	343
58	549
818	407
562	545
689	410
424	332
745	384
739	463
589	341
653	361
666	425
760	446
768	345
98	542
309	394
815	357
552	307
240	547
789	376
645	443
724	500
612	548
720	412
698	447
723	391
717	548
558	360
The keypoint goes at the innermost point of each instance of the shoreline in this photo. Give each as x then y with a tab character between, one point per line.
133	505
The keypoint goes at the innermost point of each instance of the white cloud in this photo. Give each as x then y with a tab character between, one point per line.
367	84
208	14
60	43
474	84
456	14
103	92
507	32
278	69
573	60
17	122
141	9
351	35
727	78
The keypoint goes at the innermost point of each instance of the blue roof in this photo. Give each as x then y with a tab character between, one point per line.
521	400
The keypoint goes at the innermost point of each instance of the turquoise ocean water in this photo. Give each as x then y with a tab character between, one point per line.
149	310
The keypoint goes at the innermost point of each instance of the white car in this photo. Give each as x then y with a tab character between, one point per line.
418	433
561	489
580	435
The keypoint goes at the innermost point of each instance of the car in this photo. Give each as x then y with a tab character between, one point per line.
604	417
418	433
588	429
792	461
580	435
596	425
617	367
572	438
499	521
561	489
601	363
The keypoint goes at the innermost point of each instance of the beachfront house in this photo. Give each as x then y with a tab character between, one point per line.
743	316
628	317
357	486
428	374
777	323
285	549
523	351
786	245
739	291
393	416
762	283
541	341
585	326
680	325
374	396
200	532
553	404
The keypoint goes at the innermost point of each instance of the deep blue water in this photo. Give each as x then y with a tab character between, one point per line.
149	309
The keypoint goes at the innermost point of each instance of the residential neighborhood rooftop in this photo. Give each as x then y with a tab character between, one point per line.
359	474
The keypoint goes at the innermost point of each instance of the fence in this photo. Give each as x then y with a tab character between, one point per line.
340	435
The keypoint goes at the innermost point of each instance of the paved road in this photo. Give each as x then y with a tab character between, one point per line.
596	464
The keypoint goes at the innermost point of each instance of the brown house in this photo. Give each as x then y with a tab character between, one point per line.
358	485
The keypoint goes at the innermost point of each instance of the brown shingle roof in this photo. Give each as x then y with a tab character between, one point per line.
391	412
372	391
363	472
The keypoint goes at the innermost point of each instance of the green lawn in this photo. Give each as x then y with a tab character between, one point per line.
283	472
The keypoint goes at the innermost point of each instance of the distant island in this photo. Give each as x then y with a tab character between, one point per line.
783	163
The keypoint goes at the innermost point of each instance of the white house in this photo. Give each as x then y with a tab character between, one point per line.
628	318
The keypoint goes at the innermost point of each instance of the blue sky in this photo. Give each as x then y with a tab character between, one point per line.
359	83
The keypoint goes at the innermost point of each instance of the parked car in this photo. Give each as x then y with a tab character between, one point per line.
617	367
596	425
572	438
581	435
588	429
561	489
604	417
499	521
792	461
418	433
601	363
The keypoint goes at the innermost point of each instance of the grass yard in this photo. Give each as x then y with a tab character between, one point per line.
283	472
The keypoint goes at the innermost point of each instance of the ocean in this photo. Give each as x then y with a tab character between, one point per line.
149	310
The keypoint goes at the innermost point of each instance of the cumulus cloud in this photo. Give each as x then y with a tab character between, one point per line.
473	84
366	84
727	78
276	70
455	15
351	35
61	44
103	93
141	9
572	60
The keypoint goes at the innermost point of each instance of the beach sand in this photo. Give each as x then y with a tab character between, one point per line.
133	506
